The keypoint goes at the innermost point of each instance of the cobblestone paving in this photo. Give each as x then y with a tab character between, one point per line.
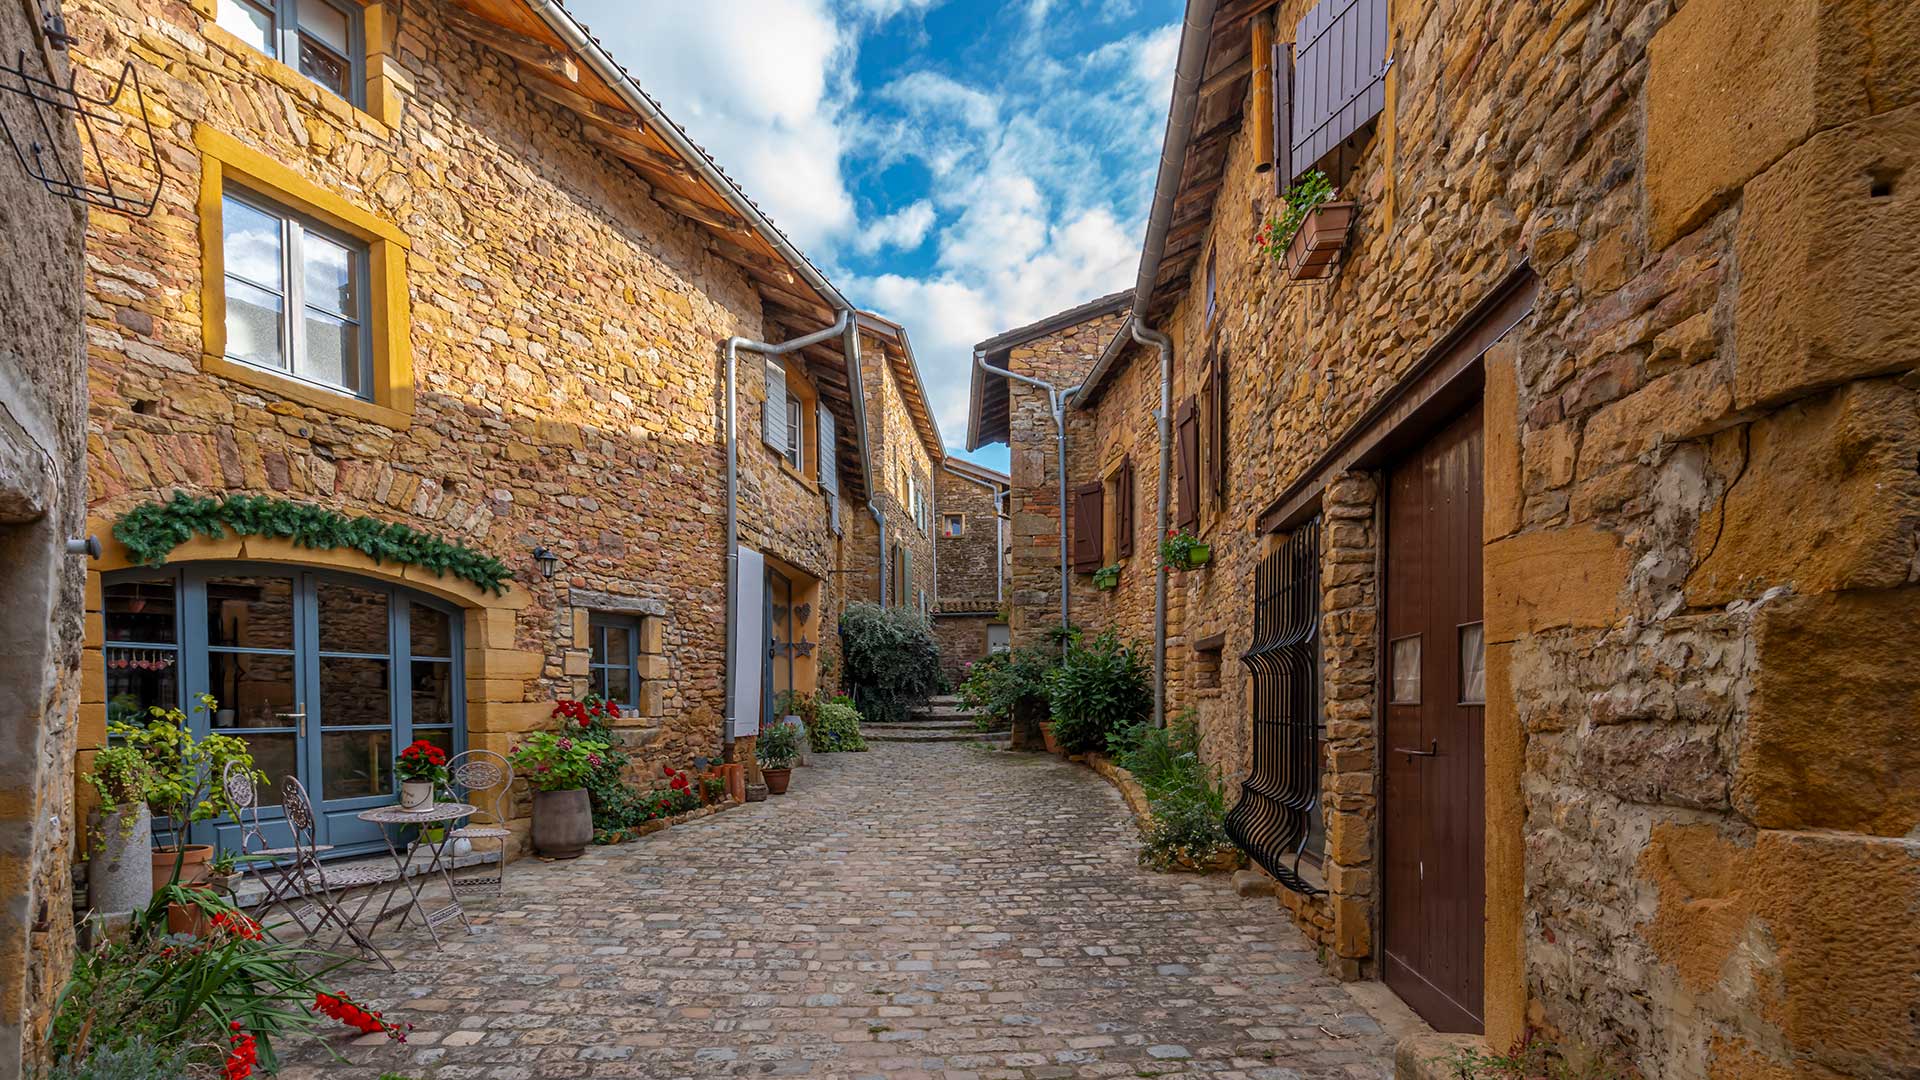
938	911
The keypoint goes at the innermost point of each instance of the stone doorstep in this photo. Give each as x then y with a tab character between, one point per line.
1419	1056
921	733
252	888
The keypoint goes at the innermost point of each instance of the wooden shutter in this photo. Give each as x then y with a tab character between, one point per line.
773	411
1222	398
1123	509
1209	415
1088	508
906	576
1186	445
1340	49
829	452
1282	114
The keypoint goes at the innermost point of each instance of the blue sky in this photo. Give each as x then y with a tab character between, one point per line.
961	167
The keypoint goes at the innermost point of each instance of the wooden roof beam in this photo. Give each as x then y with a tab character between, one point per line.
636	153
710	216
534	54
585	106
759	266
1227	76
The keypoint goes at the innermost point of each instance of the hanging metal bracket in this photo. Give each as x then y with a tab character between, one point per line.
36	146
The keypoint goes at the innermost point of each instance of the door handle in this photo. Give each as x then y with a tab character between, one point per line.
1412	753
300	716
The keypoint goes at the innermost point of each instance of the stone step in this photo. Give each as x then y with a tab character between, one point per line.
922	723
943	711
944	699
920	733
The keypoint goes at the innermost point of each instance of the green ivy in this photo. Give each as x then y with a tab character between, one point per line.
152	530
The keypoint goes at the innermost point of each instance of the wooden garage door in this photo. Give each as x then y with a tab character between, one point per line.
1434	810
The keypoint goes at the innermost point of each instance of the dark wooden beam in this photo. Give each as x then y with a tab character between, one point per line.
759	266
636	153
533	54
1227	76
706	215
584	105
1237	11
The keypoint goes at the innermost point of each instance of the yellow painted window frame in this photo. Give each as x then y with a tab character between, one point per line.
225	160
800	388
386	84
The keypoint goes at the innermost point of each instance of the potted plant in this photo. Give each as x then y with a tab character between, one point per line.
423	769
1047	737
120	874
1181	550
778	747
184	786
1310	234
1107	577
797	709
558	767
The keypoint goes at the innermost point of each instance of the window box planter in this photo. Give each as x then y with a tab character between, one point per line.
1315	249
1106	578
1199	555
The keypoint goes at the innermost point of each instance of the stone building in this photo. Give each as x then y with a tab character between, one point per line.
972	542
516	281
42	506
1562	507
903	443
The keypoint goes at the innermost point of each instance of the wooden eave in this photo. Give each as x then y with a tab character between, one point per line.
906	373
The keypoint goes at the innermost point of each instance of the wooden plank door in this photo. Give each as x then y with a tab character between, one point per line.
1434	809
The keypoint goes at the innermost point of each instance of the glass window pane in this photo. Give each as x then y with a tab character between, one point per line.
251	244
619	645
247	22
1473	664
330	275
324	21
355	764
250	612
1406	671
332	354
355	692
323	65
138	678
277	755
440	737
429	632
352	619
597	681
253	326
432	692
253	690
597	645
619	685
140	611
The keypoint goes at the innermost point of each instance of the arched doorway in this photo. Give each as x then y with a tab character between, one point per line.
324	674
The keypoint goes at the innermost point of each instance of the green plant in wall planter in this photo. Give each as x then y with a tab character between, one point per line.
1107	577
1182	550
152	530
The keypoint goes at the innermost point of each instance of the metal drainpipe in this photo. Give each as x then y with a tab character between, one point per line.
734	345
1057	400
1147	336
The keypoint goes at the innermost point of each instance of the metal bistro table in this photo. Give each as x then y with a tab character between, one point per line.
388	817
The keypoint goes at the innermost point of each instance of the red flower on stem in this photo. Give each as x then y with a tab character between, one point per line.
242	1055
360	1019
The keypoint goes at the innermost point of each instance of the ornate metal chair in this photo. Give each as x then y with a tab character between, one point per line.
243	793
315	885
484	779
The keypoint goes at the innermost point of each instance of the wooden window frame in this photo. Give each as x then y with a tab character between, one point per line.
957	534
295	229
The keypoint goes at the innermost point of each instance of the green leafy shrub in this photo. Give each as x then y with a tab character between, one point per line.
778	746
836	728
152	530
184	774
996	685
1162	759
1097	688
138	1058
1188	824
891	661
561	761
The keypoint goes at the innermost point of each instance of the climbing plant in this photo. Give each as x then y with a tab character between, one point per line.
152	530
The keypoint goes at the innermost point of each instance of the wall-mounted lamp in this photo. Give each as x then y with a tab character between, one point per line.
549	562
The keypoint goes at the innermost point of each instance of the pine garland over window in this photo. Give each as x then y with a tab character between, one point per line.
152	530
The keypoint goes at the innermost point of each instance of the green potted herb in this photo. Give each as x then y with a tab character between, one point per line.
1181	550
778	748
185	784
558	768
1107	577
120	873
1310	233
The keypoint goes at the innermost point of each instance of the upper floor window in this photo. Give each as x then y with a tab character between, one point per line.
296	294
953	526
322	38
795	452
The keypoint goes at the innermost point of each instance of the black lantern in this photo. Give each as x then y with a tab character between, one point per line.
549	562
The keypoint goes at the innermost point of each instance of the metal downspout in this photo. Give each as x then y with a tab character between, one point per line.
1057	401
1146	336
734	345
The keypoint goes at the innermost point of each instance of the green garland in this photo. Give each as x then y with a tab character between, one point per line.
152	530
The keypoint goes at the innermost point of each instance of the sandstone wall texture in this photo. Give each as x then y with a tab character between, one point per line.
1702	514
898	453
972	566
565	381
42	504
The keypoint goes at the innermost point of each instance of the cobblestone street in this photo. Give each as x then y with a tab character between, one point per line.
918	911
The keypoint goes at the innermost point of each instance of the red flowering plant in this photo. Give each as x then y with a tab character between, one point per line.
552	761
359	1017
422	763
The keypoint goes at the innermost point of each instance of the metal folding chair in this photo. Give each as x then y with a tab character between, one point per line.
483	778
316	885
277	876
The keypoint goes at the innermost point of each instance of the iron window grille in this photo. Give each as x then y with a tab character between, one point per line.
1278	813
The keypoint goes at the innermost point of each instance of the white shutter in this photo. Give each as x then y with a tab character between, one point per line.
829	453
773	411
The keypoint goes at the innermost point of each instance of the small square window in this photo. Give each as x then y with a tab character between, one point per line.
1473	664
953	526
1405	670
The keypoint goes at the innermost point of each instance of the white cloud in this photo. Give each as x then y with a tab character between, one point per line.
903	230
930	92
882	10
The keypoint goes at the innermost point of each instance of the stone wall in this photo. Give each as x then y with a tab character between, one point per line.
563	331
1702	514
897	452
42	504
971	569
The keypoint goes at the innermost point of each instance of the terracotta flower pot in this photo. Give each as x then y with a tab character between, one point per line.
562	823
777	780
187	918
1046	733
193	866
1315	250
736	776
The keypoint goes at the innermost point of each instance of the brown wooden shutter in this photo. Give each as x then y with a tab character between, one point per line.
1222	398
1088	544
1123	509
1340	49
1186	444
1282	114
1209	416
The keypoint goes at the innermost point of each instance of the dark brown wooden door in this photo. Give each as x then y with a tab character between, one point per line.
1434	811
